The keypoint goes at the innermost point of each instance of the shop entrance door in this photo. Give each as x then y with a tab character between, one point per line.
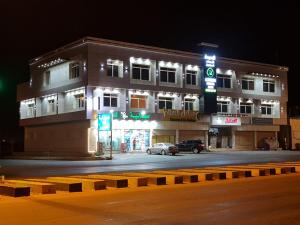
137	140
220	137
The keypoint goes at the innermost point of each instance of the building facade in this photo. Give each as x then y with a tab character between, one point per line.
152	95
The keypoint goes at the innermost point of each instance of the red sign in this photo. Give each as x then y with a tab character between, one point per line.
231	120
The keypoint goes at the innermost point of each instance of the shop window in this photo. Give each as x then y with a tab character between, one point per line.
138	101
79	101
167	75
51	106
189	104
266	109
223	81
222	107
30	110
165	103
140	72
110	100
114	68
46	78
248	84
269	86
73	70
191	77
245	108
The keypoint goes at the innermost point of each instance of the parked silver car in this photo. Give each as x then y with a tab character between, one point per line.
163	149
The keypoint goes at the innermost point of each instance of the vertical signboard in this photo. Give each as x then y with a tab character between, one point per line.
104	122
209	79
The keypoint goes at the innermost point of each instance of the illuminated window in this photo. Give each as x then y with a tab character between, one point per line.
191	77
138	101
140	72
30	110
245	108
46	78
222	106
51	106
79	101
269	86
266	109
114	68
110	100
167	75
189	104
223	81
73	70
165	103
247	83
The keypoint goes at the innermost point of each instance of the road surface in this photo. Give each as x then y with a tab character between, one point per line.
141	161
248	201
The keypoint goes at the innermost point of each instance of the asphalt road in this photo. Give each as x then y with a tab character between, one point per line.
139	161
248	201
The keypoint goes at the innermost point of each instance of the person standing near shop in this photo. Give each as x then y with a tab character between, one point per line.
134	144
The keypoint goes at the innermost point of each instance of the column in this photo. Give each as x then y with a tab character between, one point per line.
206	139
177	136
255	140
233	138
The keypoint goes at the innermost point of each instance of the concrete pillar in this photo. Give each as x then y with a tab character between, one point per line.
233	138
255	140
127	100
206	139
177	136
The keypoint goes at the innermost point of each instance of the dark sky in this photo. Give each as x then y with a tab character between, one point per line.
264	32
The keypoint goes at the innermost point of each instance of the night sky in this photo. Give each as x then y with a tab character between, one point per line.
263	32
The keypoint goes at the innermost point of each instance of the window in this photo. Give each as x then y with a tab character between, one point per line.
114	68
79	101
245	108
110	100
189	104
165	103
30	110
269	85
266	109
222	107
223	81
247	84
167	75
191	77
138	101
51	106
140	72
74	70
46	78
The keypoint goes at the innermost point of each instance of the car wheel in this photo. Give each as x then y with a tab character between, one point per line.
195	150
163	152
148	151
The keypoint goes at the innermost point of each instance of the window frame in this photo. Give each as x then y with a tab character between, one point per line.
31	110
79	101
222	103
269	83
245	105
165	100
224	77
168	70
140	67
74	70
191	73
144	98
46	78
110	96
51	105
271	107
248	80
189	102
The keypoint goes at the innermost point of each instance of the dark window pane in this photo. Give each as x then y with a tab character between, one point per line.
263	110
186	105
269	111
161	104
106	101
224	108
244	84
114	102
145	74
109	70
220	82
136	73
191	105
172	77
266	87
116	71
242	109
163	76
272	87
194	80
251	85
169	105
188	79
219	108
248	109
227	83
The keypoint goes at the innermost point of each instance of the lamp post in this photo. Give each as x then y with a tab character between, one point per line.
111	119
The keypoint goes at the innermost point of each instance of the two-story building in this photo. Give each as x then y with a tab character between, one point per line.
152	94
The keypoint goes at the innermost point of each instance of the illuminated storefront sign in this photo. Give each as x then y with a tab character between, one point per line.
131	116
210	76
104	122
226	121
180	115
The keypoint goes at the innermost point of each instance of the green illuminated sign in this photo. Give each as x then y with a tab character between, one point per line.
131	116
210	72
104	122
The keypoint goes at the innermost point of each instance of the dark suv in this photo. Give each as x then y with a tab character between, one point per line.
195	146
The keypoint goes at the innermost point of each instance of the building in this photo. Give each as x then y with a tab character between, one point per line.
153	95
